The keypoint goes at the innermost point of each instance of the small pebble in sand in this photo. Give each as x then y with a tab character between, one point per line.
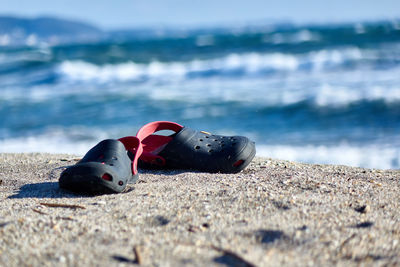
363	209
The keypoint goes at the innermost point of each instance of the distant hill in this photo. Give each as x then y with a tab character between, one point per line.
31	31
20	31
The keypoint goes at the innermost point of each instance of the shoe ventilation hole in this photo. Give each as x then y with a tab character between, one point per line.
208	145
197	147
210	151
120	183
201	140
114	158
106	177
207	136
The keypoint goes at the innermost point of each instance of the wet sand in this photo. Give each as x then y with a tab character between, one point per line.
273	213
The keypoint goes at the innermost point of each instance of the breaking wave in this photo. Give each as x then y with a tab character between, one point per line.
236	65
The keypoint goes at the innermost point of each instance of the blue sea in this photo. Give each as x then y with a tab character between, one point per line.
310	93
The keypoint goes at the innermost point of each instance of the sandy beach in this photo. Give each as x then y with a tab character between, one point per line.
273	213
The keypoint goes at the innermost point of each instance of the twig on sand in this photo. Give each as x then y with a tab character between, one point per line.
66	218
58	205
138	255
344	243
234	256
40	212
347	241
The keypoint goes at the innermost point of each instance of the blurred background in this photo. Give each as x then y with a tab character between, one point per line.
309	81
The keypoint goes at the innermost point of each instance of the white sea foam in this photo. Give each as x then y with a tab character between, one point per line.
322	90
83	71
271	92
368	156
72	141
247	80
232	64
292	38
44	144
244	78
79	71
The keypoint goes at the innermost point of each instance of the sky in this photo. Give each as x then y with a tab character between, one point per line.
113	14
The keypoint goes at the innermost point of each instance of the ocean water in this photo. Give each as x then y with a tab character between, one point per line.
317	94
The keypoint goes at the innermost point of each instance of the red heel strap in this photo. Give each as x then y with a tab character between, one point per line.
156	126
134	143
